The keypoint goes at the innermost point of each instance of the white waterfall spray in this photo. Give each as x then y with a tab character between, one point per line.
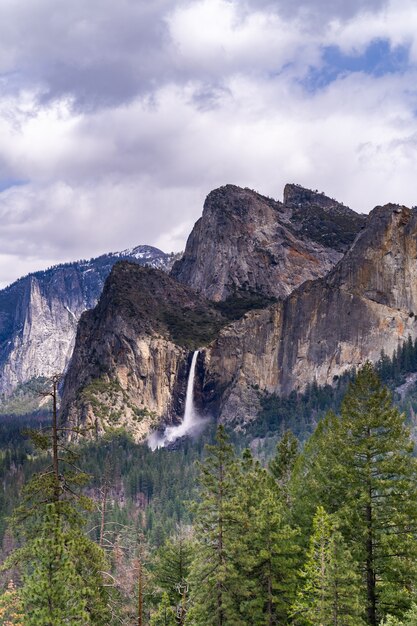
191	422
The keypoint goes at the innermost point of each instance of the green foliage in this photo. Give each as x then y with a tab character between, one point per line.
53	590
215	581
409	619
242	301
298	412
314	538
282	465
198	326
62	570
331	591
172	565
264	547
361	467
11	607
165	615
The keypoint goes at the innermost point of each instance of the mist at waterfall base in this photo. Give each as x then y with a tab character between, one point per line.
192	423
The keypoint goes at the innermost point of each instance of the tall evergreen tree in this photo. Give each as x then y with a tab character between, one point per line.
282	464
165	614
171	570
330	595
53	591
265	549
215	582
362	467
57	561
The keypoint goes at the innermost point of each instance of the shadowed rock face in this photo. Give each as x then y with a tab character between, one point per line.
133	352
245	241
39	313
366	303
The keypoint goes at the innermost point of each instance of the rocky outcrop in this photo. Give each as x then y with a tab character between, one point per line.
248	242
366	304
39	313
133	352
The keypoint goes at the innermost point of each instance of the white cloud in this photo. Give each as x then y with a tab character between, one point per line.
208	94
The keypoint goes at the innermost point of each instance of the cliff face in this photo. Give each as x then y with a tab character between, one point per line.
245	241
366	304
133	352
39	313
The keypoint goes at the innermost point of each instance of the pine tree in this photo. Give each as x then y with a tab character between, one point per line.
265	549
410	618
165	615
52	592
362	467
171	570
282	464
330	595
214	579
55	552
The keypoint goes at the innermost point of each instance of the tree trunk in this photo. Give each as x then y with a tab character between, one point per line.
370	573
55	461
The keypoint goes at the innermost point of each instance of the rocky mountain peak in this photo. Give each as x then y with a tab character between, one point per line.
248	242
381	264
39	313
238	202
296	195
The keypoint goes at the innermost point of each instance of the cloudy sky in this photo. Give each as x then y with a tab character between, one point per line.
117	118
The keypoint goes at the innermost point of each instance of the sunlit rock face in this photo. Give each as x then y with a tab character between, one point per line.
245	241
366	304
40	312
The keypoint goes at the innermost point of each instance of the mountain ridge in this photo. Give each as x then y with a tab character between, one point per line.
40	311
241	232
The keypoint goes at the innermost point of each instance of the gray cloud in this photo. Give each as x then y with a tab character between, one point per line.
101	53
98	52
121	117
316	10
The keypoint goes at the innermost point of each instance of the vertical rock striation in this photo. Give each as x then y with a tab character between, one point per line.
366	304
40	312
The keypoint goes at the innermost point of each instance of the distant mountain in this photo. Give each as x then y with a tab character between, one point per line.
39	313
247	242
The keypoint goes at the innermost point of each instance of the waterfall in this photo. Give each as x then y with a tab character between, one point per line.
191	422
189	413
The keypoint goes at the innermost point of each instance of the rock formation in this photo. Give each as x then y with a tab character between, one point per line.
39	313
245	241
366	304
133	351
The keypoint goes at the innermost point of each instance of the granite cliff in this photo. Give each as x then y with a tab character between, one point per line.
39	313
247	242
367	303
133	351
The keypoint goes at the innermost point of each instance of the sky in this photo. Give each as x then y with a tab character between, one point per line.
118	118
